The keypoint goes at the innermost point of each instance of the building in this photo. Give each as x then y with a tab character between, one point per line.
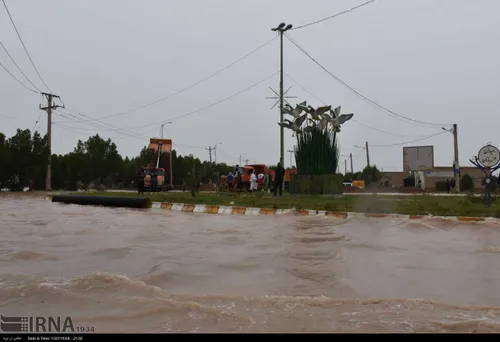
442	173
394	179
429	178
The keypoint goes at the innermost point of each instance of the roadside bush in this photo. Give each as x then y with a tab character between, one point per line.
467	183
441	186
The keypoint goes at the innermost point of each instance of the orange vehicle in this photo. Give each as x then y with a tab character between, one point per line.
160	160
160	178
288	172
246	172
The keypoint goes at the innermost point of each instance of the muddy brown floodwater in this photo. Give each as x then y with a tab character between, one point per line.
123	270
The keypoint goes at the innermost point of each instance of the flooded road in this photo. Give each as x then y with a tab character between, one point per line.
123	270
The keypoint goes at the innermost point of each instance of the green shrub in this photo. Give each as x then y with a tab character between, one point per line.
441	186
317	152
467	183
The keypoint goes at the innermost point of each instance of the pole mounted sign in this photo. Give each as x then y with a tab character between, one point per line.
488	160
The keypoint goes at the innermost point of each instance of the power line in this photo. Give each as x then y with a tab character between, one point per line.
99	124
24	46
388	133
15	78
357	121
212	104
373	103
111	128
409	142
17	66
36	122
194	84
84	131
334	16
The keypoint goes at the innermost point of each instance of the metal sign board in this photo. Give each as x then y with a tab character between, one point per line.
488	160
418	158
439	174
489	156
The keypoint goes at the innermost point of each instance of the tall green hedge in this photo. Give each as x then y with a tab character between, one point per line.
317	158
317	152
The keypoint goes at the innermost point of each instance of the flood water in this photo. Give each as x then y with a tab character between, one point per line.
123	270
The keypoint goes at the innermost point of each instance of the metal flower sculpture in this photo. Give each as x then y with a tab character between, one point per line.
316	151
322	118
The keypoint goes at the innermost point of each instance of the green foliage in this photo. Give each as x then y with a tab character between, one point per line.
317	152
23	162
371	174
317	158
467	183
349	177
23	159
316	184
441	186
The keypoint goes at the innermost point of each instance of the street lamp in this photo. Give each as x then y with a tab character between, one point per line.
215	151
291	154
281	29
162	125
241	155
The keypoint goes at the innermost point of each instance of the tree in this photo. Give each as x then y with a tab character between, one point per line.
467	183
23	162
371	174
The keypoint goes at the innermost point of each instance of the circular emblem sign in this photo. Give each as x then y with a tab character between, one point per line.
489	156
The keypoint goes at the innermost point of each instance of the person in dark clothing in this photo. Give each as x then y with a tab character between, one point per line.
448	185
279	175
140	181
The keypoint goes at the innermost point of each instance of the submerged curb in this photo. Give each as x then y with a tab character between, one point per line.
219	209
244	211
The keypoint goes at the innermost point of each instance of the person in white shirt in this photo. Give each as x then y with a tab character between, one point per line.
253	181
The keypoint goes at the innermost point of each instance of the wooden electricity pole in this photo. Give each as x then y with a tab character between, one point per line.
50	106
209	149
456	166
352	168
367	154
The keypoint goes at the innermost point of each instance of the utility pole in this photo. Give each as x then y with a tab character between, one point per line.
352	169
281	29
456	167
367	155
48	109
345	167
209	149
246	161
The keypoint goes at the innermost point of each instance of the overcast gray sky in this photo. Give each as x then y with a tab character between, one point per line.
431	60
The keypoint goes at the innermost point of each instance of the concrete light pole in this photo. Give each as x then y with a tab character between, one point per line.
281	29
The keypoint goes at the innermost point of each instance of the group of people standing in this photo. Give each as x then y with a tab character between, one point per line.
261	181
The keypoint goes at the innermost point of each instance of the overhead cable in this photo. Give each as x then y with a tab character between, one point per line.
333	16
366	99
192	85
24	46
